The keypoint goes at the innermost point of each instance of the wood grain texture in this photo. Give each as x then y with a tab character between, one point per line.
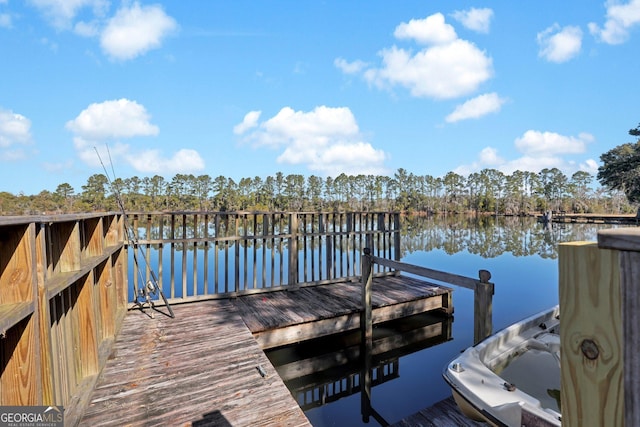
199	368
16	264
590	336
629	276
622	239
18	383
443	414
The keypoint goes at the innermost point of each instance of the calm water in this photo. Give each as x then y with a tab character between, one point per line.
522	258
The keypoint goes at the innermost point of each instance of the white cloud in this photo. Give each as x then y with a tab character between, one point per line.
5	20
351	158
590	166
448	67
321	124
111	121
13	155
250	121
87	29
151	161
474	19
539	150
120	118
431	30
61	13
15	133
476	107
14	129
349	67
441	72
131	32
135	30
534	142
326	140
559	44
620	19
489	156
58	167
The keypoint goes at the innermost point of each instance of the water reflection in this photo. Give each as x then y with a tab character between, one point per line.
325	370
490	236
522	256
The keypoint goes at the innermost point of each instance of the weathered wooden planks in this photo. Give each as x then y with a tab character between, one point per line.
282	318
53	312
199	368
443	414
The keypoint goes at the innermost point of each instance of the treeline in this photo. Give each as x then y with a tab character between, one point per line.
487	191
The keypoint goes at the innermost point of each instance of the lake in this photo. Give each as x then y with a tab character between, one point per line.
521	255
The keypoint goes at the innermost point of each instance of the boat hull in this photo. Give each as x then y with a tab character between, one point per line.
512	376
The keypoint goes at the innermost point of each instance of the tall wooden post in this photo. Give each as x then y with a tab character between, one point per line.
590	336
627	242
483	307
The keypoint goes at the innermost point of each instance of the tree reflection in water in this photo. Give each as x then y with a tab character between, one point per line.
490	236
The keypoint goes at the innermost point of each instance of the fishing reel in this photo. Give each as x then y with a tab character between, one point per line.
148	290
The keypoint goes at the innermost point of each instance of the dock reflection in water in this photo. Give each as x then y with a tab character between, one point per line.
325	370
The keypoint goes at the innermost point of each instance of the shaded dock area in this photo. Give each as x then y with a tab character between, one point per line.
206	366
443	414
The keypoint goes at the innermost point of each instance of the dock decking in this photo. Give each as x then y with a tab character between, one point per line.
443	414
202	368
282	318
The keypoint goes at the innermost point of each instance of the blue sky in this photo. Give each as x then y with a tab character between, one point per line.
251	88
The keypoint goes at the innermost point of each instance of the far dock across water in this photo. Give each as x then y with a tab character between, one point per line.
589	218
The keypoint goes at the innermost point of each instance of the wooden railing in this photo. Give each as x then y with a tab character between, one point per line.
62	300
482	288
205	255
67	281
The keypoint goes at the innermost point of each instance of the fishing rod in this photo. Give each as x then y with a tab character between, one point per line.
151	289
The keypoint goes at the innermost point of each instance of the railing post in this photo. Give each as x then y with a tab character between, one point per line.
366	329
483	307
293	252
329	251
367	279
396	240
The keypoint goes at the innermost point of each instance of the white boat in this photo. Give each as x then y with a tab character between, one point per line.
512	378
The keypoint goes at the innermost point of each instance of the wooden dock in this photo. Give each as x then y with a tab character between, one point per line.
247	281
203	367
589	218
278	319
443	414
